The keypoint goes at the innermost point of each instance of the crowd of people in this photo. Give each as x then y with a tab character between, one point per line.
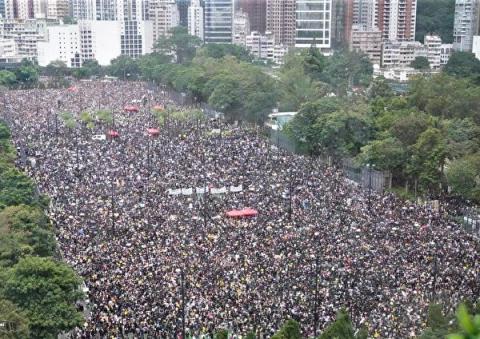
152	261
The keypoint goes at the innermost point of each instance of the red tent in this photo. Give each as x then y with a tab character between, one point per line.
158	107
131	108
72	89
246	212
153	132
112	134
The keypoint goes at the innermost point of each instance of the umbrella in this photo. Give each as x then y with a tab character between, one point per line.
131	108
112	134
153	132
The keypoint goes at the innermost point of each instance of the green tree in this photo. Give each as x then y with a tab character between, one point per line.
289	330
420	63
380	88
469	325
463	176
221	334
179	44
7	78
387	154
124	67
463	137
437	323
27	74
15	187
218	51
15	321
463	64
435	16
341	328
46	291
56	68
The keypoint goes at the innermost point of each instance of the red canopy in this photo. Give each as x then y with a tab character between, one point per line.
153	132
131	108
113	134
246	212
158	107
72	89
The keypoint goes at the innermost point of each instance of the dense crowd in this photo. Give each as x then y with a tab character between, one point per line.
318	243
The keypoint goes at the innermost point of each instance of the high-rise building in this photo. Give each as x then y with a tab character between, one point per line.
313	23
183	11
281	21
2	8
164	16
195	19
466	24
218	21
137	33
341	22
257	13
368	42
83	9
364	13
241	28
57	9
476	46
396	19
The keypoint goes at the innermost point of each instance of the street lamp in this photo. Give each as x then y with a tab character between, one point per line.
370	168
182	287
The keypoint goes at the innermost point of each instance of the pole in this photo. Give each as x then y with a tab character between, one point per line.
183	303
290	184
369	188
113	205
315	320
435	274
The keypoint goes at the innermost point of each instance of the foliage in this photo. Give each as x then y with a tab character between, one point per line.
437	323
124	67
218	51
90	68
15	187
47	291
104	116
221	334
16	322
435	17
289	330
463	64
27	74
178	44
464	176
420	63
68	119
469	325
340	328
7	78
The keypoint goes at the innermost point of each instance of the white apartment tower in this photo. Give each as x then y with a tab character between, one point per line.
195	19
313	23
164	15
466	24
241	28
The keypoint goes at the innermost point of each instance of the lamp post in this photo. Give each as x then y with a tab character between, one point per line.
315	316
370	168
182	291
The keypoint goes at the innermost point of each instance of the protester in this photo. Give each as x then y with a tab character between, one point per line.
130	240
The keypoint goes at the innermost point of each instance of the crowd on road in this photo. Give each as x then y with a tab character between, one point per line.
151	260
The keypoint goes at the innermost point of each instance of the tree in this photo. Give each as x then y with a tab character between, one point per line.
463	64
463	176
56	68
341	328
15	187
179	44
437	323
387	154
27	73
420	63
7	78
124	67
380	88
46	291
15	321
289	330
469	325
221	334
463	137
435	16
218	51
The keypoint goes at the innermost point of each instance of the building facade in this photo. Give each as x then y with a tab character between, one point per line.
164	16
257	14
241	28
195	19
433	44
218	16
281	18
466	24
396	19
313	23
368	42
